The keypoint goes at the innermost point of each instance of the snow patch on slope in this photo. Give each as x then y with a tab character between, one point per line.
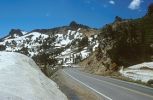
143	72
21	78
24	32
65	39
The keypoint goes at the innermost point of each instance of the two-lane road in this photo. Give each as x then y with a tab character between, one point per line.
110	89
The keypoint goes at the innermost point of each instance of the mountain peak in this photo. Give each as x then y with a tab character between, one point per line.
75	25
14	32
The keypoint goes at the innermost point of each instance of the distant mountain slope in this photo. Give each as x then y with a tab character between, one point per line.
22	79
62	45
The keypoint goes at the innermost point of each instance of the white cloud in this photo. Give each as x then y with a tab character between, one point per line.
135	4
112	2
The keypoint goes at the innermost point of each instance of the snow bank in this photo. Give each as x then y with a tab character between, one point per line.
143	72
21	79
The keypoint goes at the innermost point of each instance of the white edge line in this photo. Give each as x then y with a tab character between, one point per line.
135	91
89	87
136	84
127	82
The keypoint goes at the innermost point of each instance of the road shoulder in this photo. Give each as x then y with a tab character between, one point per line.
73	89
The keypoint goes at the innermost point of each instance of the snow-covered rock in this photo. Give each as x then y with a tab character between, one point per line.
143	72
21	79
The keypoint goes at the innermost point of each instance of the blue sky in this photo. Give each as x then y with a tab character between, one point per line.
33	14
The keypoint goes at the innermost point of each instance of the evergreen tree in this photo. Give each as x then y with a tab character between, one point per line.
150	9
83	43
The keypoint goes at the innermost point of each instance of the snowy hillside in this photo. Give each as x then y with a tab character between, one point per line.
21	78
143	72
66	45
27	40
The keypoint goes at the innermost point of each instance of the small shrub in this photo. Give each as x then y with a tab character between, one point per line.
89	62
150	82
114	67
2	47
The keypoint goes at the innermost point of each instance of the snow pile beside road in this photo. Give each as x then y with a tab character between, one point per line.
21	79
143	72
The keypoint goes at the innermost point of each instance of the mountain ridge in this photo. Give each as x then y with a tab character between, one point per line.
62	45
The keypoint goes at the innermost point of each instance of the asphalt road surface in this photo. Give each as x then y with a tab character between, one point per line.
109	88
